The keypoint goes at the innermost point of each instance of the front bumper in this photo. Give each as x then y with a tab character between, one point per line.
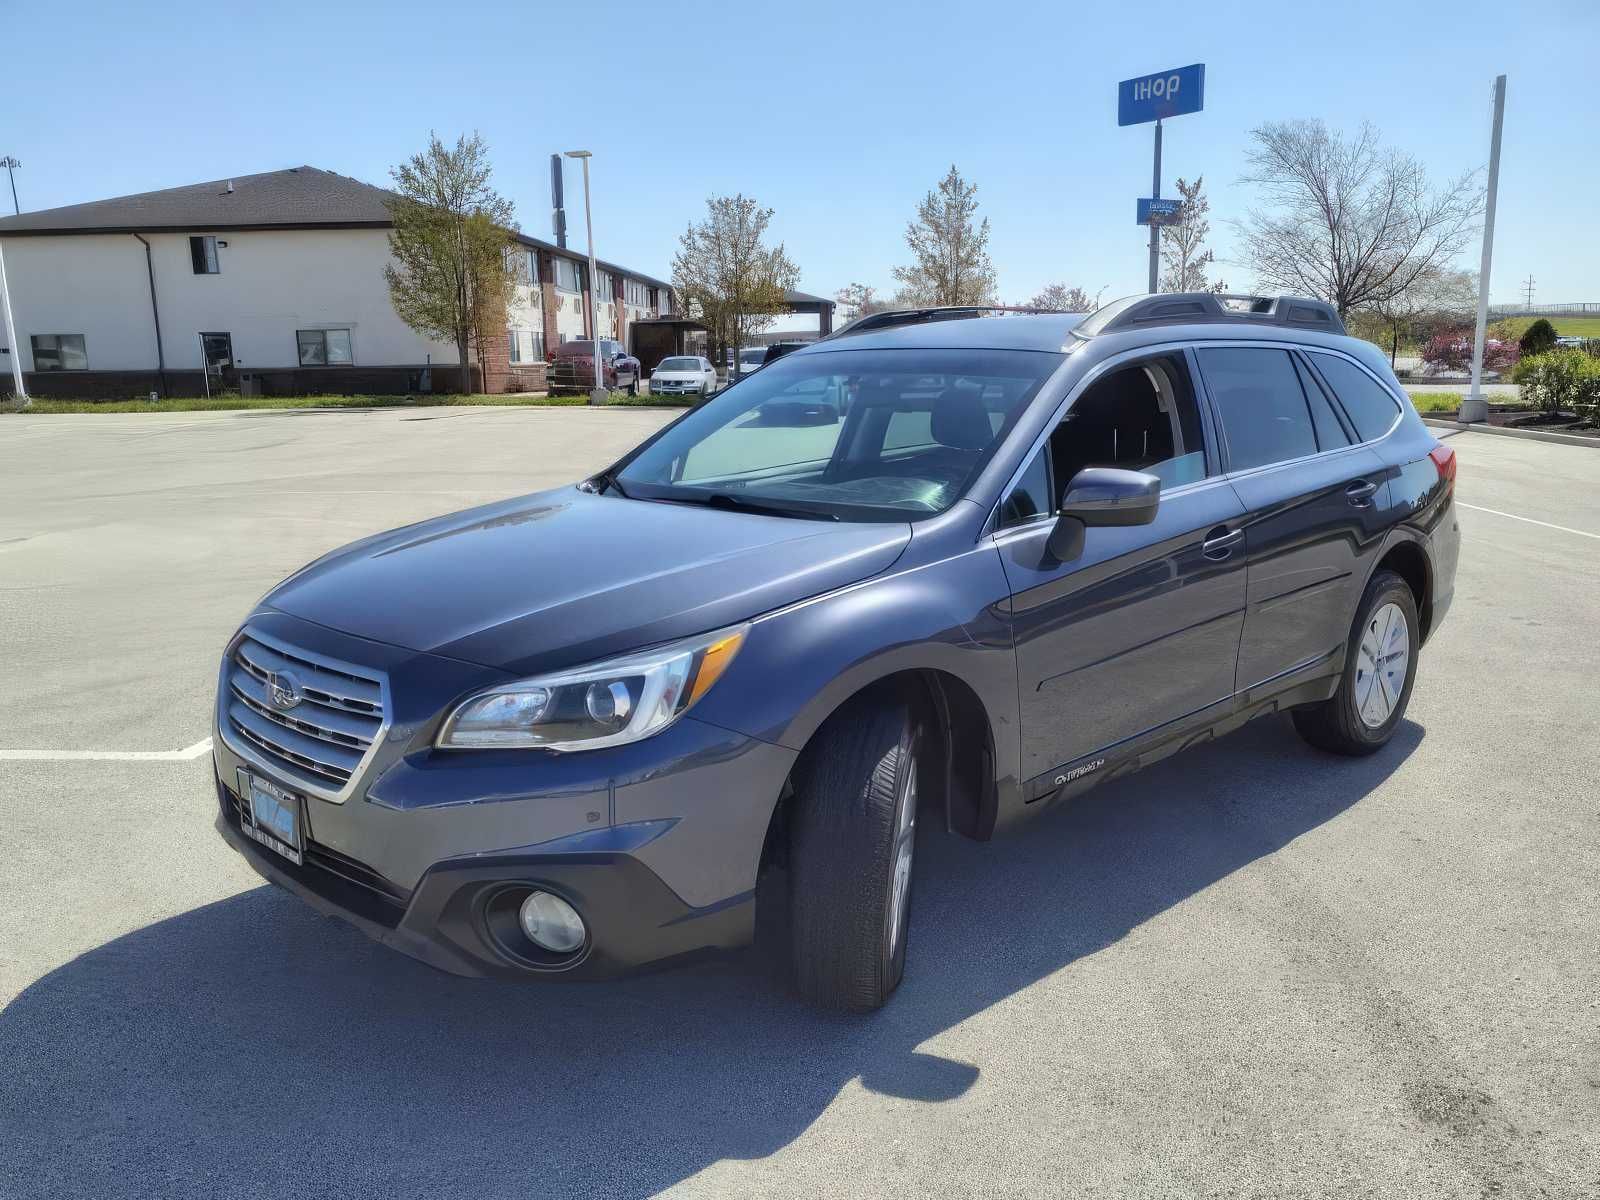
656	843
633	918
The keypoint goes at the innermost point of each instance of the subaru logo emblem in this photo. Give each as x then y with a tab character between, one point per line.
283	689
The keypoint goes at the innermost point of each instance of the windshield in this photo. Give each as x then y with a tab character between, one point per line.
679	364
752	358
861	435
580	347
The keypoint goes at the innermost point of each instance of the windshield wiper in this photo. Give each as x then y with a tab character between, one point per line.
607	481
741	504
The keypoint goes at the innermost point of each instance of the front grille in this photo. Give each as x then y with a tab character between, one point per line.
333	876
318	742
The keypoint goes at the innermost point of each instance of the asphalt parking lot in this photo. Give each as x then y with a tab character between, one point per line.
1250	971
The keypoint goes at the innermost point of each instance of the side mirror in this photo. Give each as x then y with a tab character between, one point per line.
1104	496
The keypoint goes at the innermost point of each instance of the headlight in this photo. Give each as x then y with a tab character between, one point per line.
607	704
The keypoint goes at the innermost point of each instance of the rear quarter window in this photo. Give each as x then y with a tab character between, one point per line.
1369	405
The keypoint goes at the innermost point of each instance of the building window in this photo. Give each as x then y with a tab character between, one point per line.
636	293
527	345
567	277
203	254
324	347
608	287
533	268
59	352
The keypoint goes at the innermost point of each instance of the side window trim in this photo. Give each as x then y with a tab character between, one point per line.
1309	373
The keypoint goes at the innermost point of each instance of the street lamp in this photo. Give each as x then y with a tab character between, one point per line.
11	165
599	392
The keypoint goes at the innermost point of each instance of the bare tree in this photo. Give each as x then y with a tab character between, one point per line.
1347	220
1058	297
860	300
727	277
1183	244
449	277
951	249
1436	300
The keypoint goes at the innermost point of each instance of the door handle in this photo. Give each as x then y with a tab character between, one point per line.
1360	494
1220	542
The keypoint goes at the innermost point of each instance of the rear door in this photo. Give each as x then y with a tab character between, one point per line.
1142	628
1313	512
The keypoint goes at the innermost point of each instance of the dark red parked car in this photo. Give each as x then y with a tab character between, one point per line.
572	367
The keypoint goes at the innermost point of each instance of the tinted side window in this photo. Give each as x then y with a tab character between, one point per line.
1371	408
1331	432
1259	399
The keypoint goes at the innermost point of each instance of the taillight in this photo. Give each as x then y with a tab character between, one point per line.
1444	460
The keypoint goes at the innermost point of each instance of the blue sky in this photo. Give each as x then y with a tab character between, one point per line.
838	116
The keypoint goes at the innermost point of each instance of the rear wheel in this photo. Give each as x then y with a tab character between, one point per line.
1380	668
853	839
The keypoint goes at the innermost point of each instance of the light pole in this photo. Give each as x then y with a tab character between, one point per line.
11	165
599	392
1475	407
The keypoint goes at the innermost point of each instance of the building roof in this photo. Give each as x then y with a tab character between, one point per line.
296	198
794	297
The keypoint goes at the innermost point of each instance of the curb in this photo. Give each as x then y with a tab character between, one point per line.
1530	435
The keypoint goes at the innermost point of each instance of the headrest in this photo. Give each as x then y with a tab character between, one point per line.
960	420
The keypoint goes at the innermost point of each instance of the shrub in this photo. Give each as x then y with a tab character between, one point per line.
1538	338
1452	350
1561	380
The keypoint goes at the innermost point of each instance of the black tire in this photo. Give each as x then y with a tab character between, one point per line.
1336	724
855	791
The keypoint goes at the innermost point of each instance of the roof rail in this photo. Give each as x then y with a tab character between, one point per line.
1191	308
891	318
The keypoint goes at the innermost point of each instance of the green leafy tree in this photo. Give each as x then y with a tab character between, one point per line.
1184	254
728	277
1538	338
450	277
951	249
860	300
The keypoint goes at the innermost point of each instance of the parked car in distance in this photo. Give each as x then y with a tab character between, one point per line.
929	574
778	349
683	375
572	367
750	359
1570	343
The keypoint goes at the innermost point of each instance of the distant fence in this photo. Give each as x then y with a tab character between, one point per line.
1545	310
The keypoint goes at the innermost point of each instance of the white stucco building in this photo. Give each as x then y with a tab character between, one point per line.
275	281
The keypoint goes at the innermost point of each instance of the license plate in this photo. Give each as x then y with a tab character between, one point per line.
272	816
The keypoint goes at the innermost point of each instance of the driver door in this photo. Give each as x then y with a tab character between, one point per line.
1142	628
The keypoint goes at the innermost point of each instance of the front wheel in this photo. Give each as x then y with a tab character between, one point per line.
853	836
1380	668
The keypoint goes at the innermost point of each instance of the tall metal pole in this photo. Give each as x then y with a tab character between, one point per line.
594	295
1475	407
18	388
1155	230
11	166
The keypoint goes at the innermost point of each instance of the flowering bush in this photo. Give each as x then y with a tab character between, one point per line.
1452	351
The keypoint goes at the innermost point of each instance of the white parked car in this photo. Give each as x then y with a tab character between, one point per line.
683	375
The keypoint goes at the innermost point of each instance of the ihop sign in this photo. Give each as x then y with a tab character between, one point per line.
1164	94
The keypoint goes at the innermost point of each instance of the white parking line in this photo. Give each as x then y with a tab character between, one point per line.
1529	520
184	755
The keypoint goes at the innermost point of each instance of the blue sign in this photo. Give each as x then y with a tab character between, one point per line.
1164	94
1159	212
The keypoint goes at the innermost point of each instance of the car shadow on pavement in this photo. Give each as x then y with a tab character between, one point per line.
250	1047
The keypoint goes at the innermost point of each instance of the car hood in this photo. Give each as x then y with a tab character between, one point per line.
677	376
565	577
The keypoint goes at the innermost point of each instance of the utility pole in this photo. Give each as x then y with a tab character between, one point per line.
598	395
1475	407
19	390
1527	287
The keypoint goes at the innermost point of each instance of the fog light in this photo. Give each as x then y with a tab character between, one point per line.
551	923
